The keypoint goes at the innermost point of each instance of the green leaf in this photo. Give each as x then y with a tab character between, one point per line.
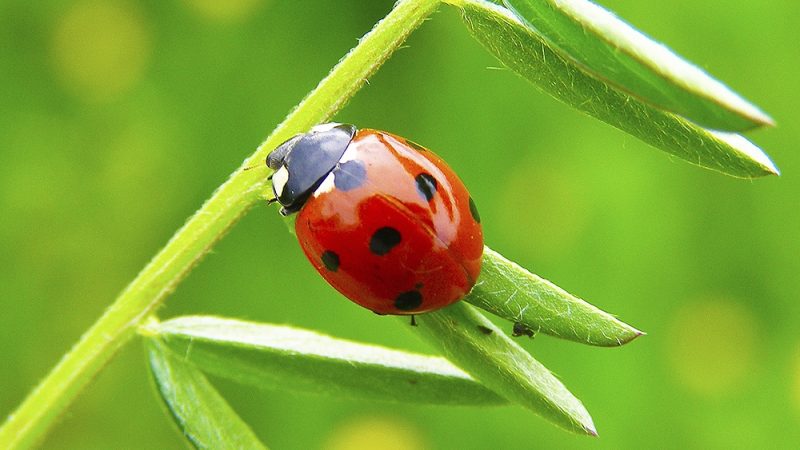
204	417
526	53
282	357
612	50
473	343
511	292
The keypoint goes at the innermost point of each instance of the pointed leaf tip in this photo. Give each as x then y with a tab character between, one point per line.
532	56
509	291
749	150
494	359
613	50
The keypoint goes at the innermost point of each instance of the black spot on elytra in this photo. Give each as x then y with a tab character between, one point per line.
384	240
426	185
408	301
330	260
474	210
349	175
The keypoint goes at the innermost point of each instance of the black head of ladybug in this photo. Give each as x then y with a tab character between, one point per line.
302	162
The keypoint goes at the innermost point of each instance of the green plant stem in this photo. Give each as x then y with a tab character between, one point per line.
226	206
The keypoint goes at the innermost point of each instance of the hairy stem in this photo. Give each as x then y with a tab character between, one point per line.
208	225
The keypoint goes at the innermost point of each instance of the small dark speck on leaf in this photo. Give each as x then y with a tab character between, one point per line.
485	330
521	329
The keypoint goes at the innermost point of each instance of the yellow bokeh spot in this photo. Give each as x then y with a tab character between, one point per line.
541	208
225	11
711	345
369	433
100	48
796	382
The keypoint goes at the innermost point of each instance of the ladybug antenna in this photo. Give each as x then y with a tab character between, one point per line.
272	200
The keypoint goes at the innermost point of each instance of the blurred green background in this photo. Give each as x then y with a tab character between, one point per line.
118	118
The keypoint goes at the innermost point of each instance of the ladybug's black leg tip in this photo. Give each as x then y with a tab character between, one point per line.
413	320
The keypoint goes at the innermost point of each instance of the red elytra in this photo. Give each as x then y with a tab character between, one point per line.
391	226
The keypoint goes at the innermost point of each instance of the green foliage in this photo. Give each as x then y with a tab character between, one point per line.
511	292
616	53
288	358
200	412
205	228
467	338
572	50
526	52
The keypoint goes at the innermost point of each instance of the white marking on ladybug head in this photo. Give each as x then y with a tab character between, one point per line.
327	185
325	127
279	179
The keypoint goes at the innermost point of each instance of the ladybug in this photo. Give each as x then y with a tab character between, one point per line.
386	222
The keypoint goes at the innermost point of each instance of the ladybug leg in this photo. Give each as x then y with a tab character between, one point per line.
413	320
272	200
